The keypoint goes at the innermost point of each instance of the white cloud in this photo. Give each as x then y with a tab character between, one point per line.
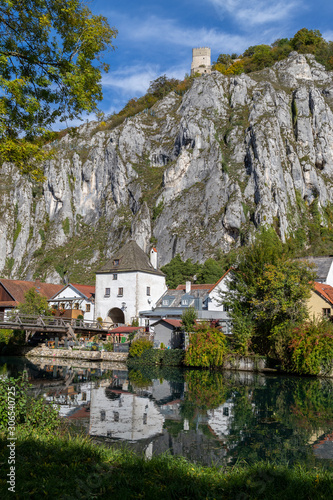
131	79
256	12
328	35
168	32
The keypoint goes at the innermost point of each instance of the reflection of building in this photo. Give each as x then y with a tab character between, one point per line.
220	419
324	447
129	282
122	415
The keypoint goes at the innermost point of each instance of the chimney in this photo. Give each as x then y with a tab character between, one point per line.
153	257
188	287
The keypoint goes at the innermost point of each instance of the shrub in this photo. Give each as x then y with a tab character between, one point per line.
311	348
207	347
108	346
30	411
138	347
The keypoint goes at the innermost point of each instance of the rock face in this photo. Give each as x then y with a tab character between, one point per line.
191	175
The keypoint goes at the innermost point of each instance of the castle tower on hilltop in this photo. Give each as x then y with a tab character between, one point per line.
201	62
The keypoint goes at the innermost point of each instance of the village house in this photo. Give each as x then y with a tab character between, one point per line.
205	298
12	293
74	300
320	303
128	283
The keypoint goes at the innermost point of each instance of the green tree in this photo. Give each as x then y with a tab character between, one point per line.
306	41
267	291
189	317
210	272
50	70
34	304
178	271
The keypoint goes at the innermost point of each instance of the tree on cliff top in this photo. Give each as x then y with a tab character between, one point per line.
48	72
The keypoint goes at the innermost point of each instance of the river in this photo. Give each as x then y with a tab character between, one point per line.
209	418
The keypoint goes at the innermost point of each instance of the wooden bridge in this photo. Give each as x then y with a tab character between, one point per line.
51	324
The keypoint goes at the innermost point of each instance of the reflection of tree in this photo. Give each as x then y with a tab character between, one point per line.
276	422
205	390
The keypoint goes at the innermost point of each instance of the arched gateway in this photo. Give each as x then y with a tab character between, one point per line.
116	315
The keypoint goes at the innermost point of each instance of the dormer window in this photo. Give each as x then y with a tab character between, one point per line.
165	302
184	302
116	262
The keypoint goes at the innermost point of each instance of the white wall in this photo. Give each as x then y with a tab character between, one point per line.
130	417
70	293
215	298
135	296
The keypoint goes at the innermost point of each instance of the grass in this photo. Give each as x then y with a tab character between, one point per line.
73	467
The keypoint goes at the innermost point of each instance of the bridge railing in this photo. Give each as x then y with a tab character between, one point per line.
21	320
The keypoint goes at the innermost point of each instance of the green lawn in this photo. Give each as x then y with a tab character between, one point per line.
72	467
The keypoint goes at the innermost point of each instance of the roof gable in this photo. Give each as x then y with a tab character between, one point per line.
325	291
18	288
129	258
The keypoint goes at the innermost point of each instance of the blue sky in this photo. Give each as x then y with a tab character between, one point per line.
157	37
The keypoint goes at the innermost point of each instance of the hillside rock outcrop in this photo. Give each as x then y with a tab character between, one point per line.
191	175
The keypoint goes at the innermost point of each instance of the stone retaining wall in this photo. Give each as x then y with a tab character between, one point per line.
247	364
75	354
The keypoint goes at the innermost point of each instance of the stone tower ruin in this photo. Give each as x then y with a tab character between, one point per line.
201	62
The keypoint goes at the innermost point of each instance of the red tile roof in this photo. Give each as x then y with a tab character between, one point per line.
87	290
18	288
125	329
209	287
174	322
195	287
326	291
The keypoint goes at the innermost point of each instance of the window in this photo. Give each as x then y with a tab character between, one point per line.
84	396
120	292
116	416
165	302
184	302
145	418
226	411
148	290
107	292
108	434
115	277
225	308
327	312
88	308
116	262
102	415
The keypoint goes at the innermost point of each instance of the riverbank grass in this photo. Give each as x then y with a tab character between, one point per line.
65	466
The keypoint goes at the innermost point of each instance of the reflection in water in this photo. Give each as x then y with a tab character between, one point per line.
211	418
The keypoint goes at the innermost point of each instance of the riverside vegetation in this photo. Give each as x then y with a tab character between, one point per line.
267	299
53	460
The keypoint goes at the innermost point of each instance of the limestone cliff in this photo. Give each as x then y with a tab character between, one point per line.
192	174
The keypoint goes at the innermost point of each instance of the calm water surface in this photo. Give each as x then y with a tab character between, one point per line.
210	418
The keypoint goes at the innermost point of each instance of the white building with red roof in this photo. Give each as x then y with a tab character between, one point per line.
75	298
